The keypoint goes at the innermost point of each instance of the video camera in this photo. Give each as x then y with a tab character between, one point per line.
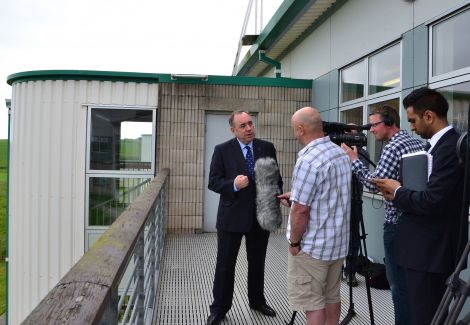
341	133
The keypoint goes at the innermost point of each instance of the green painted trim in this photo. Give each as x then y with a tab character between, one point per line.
82	75
155	78
282	19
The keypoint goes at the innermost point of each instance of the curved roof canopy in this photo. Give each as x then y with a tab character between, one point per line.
290	25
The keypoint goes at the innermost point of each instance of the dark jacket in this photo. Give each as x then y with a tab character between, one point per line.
431	233
237	210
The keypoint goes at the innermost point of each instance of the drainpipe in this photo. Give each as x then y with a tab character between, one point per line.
275	64
8	104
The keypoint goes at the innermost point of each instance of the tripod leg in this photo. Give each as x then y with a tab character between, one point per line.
369	297
292	318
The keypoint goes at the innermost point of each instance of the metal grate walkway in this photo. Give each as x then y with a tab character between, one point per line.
185	291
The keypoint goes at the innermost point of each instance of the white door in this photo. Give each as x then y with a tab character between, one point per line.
217	131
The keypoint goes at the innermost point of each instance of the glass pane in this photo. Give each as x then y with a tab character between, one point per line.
375	147
121	139
352	82
458	97
110	196
353	116
384	70
451	44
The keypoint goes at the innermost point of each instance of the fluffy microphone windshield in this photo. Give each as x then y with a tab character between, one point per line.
268	209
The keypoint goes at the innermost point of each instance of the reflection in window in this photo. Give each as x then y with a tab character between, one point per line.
458	97
353	116
451	44
108	197
384	70
121	139
352	82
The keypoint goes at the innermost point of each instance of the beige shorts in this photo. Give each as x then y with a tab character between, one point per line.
312	283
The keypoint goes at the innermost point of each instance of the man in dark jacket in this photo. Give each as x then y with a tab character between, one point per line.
232	176
432	233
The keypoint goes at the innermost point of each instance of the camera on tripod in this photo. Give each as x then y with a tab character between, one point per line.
341	133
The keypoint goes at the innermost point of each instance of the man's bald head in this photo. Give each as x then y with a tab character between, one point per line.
307	125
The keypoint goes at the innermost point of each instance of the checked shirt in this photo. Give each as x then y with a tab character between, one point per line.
388	167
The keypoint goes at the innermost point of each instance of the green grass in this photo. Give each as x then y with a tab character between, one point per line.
3	218
130	149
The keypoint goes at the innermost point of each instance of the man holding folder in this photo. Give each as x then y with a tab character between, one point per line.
431	234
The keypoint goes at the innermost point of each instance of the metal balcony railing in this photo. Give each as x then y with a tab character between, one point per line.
115	282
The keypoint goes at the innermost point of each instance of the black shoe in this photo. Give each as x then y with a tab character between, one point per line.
265	310
214	319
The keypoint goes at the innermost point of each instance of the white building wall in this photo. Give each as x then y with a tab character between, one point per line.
355	30
47	179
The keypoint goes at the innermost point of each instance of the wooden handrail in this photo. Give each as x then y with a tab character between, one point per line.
84	293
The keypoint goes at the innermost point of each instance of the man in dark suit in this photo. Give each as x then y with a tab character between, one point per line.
431	232
232	176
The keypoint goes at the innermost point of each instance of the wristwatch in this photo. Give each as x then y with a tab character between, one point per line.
291	244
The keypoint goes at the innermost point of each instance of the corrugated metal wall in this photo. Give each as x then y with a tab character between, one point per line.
47	179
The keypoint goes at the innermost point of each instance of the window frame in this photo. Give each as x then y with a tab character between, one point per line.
121	172
447	75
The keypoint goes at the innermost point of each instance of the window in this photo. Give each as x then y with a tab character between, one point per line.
109	196
378	74
119	139
458	97
450	46
384	70
352	115
352	82
120	164
369	83
449	50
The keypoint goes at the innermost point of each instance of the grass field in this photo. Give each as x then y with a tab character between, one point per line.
3	231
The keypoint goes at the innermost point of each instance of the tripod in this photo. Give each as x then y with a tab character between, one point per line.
357	225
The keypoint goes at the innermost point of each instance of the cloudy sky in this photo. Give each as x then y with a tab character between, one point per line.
155	36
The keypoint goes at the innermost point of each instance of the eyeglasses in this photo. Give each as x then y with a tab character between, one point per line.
375	124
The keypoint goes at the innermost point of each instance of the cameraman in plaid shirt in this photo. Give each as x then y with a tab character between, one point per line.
385	126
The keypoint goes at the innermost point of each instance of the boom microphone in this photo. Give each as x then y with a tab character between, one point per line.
268	210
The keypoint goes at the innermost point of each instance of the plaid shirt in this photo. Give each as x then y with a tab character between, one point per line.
388	167
322	181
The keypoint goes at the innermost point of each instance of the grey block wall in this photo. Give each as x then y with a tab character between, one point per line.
181	130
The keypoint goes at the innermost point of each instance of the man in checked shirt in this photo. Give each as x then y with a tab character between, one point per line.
385	126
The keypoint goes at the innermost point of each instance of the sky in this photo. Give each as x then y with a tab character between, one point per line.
153	36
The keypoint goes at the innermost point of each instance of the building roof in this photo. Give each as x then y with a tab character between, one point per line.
290	25
156	78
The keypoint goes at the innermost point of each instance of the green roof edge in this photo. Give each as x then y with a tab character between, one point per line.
155	78
283	17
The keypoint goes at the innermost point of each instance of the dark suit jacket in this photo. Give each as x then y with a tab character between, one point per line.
237	210
431	234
